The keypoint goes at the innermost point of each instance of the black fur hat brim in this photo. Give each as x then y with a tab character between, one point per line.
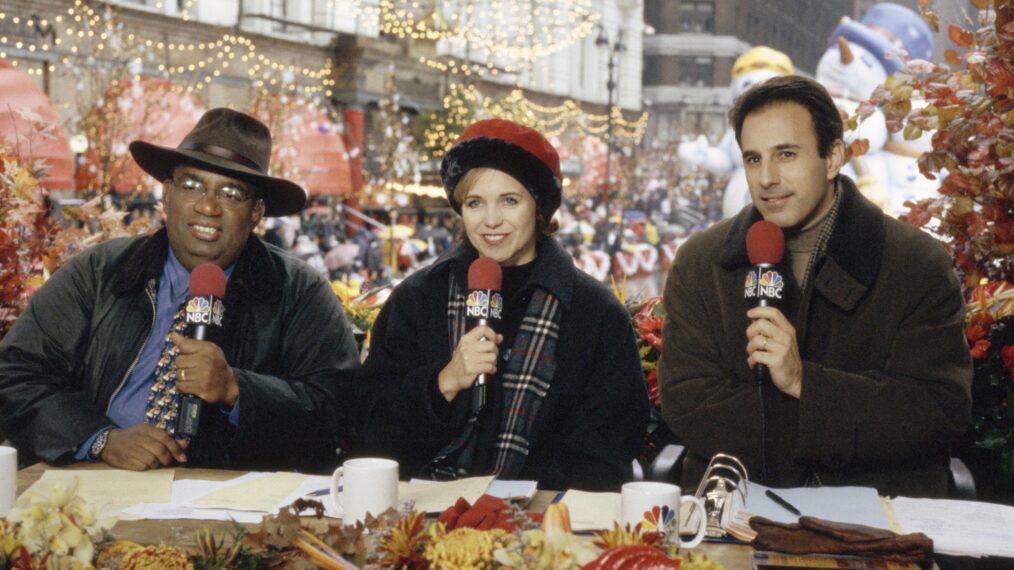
523	166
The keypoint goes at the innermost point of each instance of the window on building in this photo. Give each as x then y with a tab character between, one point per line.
697	17
696	71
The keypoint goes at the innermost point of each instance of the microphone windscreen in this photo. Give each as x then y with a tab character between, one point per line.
207	279
485	273
765	243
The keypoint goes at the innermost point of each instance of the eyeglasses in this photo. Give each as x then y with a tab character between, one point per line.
228	194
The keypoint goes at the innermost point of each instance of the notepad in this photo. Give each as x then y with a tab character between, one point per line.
433	497
855	505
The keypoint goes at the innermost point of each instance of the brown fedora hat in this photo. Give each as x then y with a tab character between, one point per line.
231	143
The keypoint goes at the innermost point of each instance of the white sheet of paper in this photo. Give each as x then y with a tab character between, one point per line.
964	528
592	511
186	493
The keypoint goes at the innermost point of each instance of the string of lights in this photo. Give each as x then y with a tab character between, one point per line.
462	102
84	33
511	30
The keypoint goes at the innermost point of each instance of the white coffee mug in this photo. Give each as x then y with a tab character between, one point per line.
8	479
656	507
364	485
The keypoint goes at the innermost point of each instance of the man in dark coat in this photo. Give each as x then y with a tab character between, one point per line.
870	373
96	367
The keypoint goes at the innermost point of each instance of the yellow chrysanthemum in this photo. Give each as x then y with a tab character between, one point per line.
464	548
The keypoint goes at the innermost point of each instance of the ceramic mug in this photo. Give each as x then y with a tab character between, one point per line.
364	485
8	479
656	507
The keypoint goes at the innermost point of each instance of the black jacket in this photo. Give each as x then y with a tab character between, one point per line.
886	368
284	333
590	426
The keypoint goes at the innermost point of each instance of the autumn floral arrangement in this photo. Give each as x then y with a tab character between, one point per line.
970	111
59	531
32	244
647	318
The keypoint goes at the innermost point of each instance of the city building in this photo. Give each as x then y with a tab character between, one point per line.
688	61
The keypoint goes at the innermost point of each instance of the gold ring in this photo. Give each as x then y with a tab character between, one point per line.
765	347
183	375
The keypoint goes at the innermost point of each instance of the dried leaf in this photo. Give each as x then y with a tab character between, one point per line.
960	36
858	147
981	4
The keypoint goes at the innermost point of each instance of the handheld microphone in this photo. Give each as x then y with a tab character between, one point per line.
204	309
765	283
483	307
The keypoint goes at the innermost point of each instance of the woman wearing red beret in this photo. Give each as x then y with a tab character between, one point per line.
566	404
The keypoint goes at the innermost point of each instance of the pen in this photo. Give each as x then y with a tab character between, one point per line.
318	493
782	502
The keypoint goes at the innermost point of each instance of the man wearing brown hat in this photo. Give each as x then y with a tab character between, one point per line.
96	367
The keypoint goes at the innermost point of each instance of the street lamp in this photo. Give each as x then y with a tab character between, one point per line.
615	48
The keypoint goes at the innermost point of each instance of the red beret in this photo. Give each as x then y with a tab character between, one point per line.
512	148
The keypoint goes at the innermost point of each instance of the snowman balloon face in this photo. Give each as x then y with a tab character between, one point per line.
747	80
850	71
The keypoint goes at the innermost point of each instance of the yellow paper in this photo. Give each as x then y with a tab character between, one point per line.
260	494
592	511
110	491
437	497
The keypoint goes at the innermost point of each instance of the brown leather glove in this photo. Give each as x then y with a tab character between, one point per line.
815	536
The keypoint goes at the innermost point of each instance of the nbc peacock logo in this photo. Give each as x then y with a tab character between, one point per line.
751	281
478	299
198	311
217	312
198	305
771	284
477	305
495	304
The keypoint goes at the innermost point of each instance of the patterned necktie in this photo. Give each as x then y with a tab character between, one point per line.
163	400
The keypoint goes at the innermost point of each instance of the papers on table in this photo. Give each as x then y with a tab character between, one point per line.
244	499
435	497
592	511
963	528
856	505
109	491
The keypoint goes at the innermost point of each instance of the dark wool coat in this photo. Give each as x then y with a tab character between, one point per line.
886	368
592	422
284	333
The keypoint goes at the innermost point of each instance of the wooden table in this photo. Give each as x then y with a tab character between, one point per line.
181	532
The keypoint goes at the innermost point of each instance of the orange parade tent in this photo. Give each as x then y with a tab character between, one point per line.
310	151
146	108
30	126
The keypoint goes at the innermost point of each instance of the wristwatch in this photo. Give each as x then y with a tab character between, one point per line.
95	451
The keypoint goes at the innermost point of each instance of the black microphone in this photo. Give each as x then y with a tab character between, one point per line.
483	307
765	283
204	310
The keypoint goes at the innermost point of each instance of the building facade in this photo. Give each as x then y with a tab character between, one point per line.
688	61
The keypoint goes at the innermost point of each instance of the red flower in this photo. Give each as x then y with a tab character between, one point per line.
977	341
651	379
1007	355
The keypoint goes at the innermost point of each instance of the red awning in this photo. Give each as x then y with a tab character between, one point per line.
591	151
24	110
146	109
312	152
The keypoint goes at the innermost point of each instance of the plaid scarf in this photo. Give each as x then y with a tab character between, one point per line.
526	378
